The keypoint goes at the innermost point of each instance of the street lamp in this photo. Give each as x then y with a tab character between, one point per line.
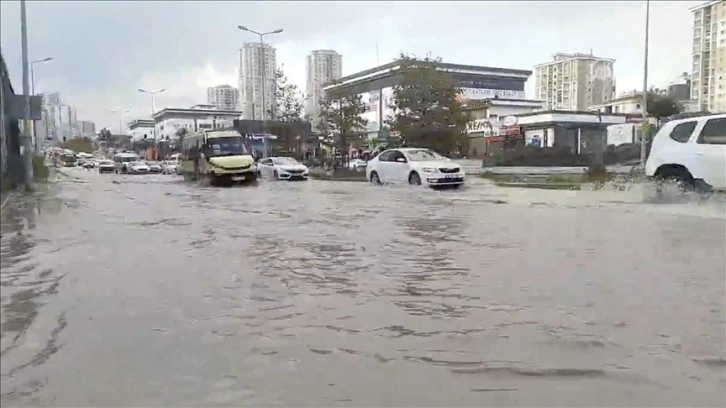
32	91
152	93
32	72
264	67
120	118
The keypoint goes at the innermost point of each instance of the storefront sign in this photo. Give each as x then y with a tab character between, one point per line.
483	126
483	93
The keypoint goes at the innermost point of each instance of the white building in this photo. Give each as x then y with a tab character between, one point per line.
575	82
323	67
140	129
223	97
86	128
257	63
628	103
708	78
168	121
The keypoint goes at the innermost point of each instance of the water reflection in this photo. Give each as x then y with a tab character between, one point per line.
26	285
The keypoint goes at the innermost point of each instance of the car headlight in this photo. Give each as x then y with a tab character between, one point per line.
428	170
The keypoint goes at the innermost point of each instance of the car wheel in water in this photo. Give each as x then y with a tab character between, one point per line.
375	179
275	176
414	179
678	177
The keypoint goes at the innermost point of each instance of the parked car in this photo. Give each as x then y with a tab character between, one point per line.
137	167
357	164
106	166
690	152
154	167
169	167
282	168
89	164
414	166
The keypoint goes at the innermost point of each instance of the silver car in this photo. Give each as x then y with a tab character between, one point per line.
137	167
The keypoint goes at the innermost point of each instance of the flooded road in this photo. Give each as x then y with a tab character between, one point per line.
146	291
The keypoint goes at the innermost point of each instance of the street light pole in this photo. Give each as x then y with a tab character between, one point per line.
120	118
264	69
32	91
645	125
27	155
152	93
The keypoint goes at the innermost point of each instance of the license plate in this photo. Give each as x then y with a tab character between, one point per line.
238	178
448	176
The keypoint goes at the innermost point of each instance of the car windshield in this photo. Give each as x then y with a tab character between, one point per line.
423	155
226	146
284	160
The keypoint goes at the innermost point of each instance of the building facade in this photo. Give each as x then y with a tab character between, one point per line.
629	103
708	77
168	121
223	97
323	67
86	128
140	129
375	86
257	64
575	82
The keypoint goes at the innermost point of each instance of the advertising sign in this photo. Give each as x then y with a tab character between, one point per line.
482	93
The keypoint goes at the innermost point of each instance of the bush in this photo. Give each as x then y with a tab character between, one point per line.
40	170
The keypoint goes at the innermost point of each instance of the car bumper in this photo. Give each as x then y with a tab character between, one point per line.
106	169
440	180
293	176
138	171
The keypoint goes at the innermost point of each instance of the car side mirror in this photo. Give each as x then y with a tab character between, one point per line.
401	160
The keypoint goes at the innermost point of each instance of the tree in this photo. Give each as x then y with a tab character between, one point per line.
661	106
79	144
426	108
342	118
289	106
181	134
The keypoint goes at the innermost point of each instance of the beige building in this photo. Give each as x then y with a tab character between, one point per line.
223	97
575	82
708	78
323	67
257	65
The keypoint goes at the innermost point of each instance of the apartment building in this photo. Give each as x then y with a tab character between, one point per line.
257	64
708	78
575	81
223	97
323	67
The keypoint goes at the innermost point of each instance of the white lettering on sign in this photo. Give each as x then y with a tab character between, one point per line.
480	93
484	126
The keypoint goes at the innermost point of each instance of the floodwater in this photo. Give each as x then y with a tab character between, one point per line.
147	291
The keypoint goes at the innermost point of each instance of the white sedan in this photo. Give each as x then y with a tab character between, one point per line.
282	168
137	167
414	166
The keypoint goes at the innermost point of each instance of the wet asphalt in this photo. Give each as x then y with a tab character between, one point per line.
149	291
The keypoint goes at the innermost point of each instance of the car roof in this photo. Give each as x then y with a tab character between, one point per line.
697	118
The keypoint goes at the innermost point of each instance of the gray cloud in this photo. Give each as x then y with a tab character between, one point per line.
105	50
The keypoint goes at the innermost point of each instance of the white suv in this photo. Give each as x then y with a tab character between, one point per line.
691	152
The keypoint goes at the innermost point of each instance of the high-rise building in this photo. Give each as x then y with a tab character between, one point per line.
575	82
257	63
223	97
708	77
323	67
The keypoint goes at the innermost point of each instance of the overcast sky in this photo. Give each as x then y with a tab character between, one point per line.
104	51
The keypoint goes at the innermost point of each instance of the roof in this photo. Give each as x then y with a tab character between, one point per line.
703	5
190	112
392	66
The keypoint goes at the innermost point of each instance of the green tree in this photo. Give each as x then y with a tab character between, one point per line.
289	107
426	107
661	106
79	144
342	119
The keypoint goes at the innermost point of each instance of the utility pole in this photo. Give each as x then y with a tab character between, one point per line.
264	70
27	147
120	118
645	126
